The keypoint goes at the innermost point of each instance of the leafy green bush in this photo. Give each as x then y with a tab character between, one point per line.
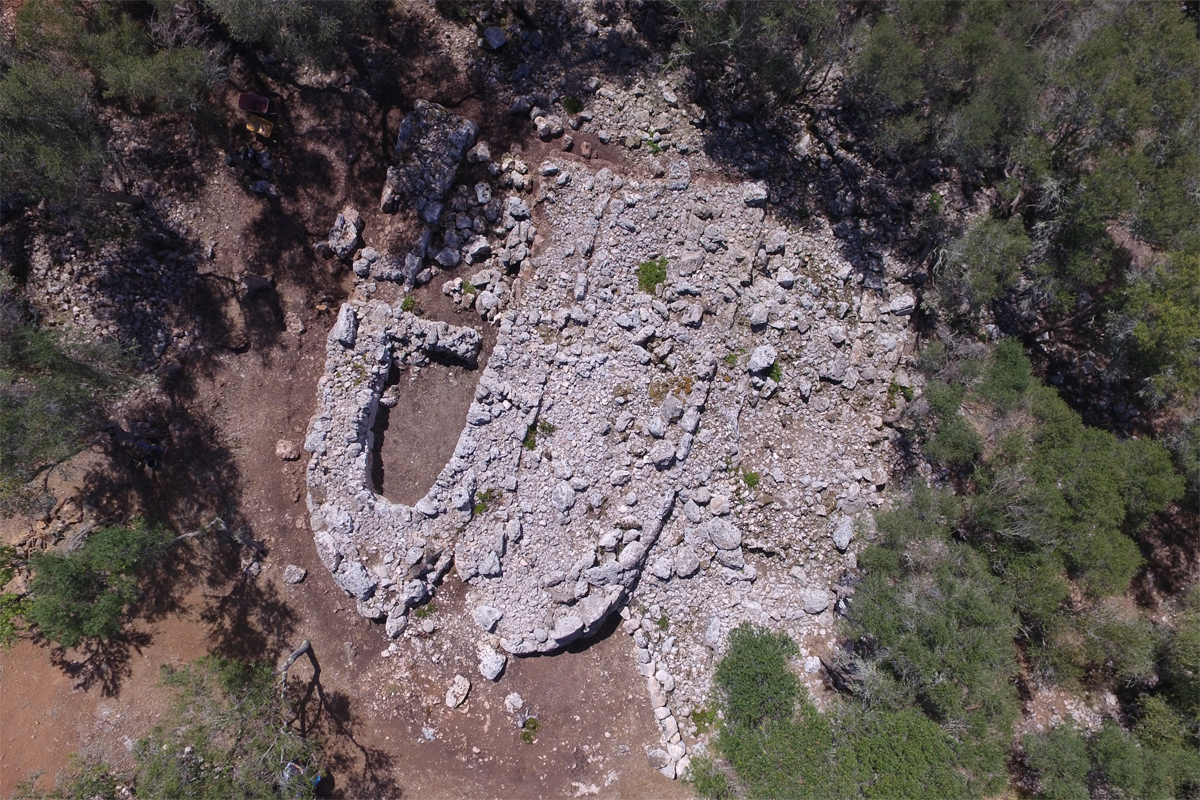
1182	662
1008	375
50	390
754	678
1158	320
299	30
772	735
1108	763
1061	762
955	442
781	48
957	79
895	754
123	57
1121	642
12	606
49	142
781	747
782	757
229	734
86	594
707	780
986	260
83	779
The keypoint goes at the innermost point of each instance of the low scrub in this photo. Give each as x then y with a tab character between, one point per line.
86	594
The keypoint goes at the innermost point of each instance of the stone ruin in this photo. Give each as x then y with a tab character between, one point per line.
698	448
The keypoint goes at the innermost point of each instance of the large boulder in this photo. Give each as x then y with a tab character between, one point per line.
429	148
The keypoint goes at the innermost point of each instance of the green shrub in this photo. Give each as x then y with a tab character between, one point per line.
955	442
1160	727
1060	760
987	260
1008	375
50	145
898	754
83	779
1182	661
50	390
299	30
944	400
12	606
122	55
751	479
708	781
785	47
754	677
1121	642
1109	763
229	733
1159	315
651	273
782	757
86	594
572	104
942	626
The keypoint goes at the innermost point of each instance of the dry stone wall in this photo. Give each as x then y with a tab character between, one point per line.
691	454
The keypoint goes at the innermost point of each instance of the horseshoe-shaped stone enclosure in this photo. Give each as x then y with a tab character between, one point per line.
616	425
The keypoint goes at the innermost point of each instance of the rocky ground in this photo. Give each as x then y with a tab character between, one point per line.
693	450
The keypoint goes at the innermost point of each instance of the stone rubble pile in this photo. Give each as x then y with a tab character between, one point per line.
608	454
692	450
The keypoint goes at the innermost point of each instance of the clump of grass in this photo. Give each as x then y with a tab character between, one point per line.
572	104
651	273
426	611
751	479
705	719
483	500
896	389
409	304
529	730
708	781
530	440
662	623
654	146
731	359
546	427
776	372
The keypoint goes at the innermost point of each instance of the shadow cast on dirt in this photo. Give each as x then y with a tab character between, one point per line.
104	663
329	716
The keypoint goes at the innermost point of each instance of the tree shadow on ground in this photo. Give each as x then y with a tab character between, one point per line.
105	662
1172	552
247	617
329	716
166	461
